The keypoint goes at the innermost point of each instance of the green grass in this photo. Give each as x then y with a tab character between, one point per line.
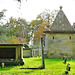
52	67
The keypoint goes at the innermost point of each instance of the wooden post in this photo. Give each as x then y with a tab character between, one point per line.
42	53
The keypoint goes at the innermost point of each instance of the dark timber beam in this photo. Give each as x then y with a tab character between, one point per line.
42	53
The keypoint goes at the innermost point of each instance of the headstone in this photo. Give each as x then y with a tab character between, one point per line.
68	67
66	72
2	65
65	59
69	57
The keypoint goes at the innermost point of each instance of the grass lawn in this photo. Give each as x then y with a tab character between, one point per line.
52	67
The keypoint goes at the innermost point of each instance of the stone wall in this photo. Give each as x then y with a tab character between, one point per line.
60	44
35	52
27	52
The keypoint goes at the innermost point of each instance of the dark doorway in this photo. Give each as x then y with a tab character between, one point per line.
7	53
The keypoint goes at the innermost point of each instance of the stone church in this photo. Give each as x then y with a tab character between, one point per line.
60	38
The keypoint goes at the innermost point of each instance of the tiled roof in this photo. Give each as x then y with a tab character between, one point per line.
61	23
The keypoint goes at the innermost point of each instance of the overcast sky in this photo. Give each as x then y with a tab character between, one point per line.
31	8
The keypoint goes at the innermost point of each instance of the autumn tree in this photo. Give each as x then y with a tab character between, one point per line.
39	32
46	17
34	25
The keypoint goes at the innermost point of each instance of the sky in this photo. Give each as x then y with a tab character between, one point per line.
31	8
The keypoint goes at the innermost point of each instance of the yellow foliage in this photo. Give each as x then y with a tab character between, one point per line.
15	39
39	32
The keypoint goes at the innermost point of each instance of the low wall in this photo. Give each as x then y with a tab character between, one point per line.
35	52
27	52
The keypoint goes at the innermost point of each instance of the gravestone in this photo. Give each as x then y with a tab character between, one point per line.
68	67
2	65
66	72
69	57
65	59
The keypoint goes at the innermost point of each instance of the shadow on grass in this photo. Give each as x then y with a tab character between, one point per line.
33	59
26	57
64	74
16	73
6	68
